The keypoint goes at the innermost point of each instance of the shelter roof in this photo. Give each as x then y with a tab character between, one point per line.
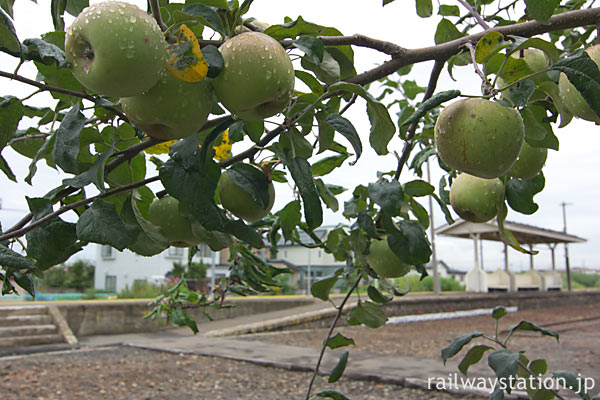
525	234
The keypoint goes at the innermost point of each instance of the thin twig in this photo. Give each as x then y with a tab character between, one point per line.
475	14
340	309
486	87
155	8
47	88
412	129
68	207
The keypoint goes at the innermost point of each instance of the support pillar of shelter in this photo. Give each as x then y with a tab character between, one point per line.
476	279
552	280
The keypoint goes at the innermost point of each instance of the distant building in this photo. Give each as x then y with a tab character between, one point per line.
117	269
446	271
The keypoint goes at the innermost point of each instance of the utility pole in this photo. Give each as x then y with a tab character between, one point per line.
436	277
567	266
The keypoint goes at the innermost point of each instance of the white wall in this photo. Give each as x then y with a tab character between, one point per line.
127	267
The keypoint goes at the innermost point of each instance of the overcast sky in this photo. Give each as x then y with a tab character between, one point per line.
571	173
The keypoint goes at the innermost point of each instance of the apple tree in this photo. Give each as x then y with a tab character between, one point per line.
177	85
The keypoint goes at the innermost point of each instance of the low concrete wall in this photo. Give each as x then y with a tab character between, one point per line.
113	317
425	304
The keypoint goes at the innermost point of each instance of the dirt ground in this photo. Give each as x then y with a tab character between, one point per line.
128	373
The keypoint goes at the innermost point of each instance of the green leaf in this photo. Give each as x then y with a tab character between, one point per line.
52	243
574	381
4	167
214	239
334	394
520	93
101	224
9	42
322	288
418	188
7	6
11	112
538	131
339	340
44	52
528	326
193	181
457	344
326	195
388	195
66	142
339	368
240	230
74	7
368	314
62	78
551	89
424	8
328	70
312	46
382	126
548	48
13	260
446	31
377	296
25	281
328	164
150	240
409	242
252	180
491	43
472	357
313	84
365	222
293	29
254	129
541	10
505	235
430	104
583	73
520	192
57	9
499	312
95	174
538	367
449	11
207	15
504	363
214	60
289	218
302	174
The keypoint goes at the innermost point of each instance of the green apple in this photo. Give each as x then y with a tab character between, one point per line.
476	199
116	49
241	204
164	213
384	261
530	162
479	137
257	80
571	97
172	109
536	60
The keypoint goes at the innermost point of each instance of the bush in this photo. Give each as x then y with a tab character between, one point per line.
140	290
426	285
79	276
582	280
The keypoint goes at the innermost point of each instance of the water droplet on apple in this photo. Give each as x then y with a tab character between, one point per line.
132	19
266	48
131	44
130	53
269	74
110	21
270	56
228	45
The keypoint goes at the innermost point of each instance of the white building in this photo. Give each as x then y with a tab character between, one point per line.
117	269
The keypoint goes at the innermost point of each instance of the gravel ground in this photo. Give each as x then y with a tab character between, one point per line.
129	373
578	349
